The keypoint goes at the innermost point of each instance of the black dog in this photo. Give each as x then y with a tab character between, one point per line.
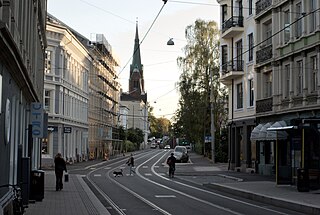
117	173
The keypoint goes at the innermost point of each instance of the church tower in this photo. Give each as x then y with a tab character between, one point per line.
136	80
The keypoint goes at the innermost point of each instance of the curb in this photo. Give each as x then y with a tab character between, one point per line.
291	205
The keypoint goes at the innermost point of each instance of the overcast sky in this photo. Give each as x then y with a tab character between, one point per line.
116	19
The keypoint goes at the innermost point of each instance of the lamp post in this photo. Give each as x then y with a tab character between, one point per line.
212	127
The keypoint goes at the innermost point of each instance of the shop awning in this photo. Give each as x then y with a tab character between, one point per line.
274	133
255	132
263	131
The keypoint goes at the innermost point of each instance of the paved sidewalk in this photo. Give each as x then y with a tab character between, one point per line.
76	198
247	185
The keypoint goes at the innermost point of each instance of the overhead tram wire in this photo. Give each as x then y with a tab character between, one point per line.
164	3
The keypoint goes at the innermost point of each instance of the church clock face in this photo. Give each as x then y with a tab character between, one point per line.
135	70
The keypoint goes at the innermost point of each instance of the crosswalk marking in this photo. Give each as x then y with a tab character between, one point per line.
148	174
145	167
108	167
97	175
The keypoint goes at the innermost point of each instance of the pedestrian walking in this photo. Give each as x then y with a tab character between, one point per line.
171	161
130	163
59	167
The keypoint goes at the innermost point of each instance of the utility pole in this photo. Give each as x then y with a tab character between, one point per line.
212	119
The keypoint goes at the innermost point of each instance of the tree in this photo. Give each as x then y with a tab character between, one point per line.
158	126
200	74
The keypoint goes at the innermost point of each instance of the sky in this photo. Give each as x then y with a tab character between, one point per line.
117	19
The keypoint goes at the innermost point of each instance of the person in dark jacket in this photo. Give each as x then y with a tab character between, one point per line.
59	167
130	163
171	161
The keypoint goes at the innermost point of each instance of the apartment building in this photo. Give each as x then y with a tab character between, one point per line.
66	94
287	104
285	48
22	52
237	73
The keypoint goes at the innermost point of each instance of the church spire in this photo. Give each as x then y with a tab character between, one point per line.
136	60
136	79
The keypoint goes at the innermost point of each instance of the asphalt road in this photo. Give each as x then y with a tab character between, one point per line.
150	191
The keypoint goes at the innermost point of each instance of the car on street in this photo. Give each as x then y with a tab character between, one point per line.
167	147
153	145
181	154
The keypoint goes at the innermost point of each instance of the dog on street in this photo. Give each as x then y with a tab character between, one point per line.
117	173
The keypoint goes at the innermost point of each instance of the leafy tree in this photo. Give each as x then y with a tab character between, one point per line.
200	75
158	126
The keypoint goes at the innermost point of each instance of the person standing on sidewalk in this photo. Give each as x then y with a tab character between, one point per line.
171	161
130	163
59	167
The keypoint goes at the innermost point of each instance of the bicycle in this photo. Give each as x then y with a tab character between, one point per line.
17	203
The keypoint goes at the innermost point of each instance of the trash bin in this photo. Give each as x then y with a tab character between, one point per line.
37	185
303	180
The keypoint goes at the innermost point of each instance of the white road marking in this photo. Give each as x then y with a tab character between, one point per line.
108	167
97	175
93	168
165	196
148	174
156	166
205	191
145	167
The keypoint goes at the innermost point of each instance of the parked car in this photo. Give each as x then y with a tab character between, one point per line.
181	154
167	147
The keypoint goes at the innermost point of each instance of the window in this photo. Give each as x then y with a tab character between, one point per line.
300	77
314	72
299	22
268	84
268	33
287	78
250	41
239	64
47	62
313	15
224	57
251	93
240	9
250	7
286	19
135	84
239	96
47	100
224	12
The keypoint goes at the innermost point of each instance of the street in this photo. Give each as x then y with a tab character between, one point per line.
151	191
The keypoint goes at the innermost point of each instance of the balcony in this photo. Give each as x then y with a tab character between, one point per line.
232	27
231	70
262	5
264	105
264	54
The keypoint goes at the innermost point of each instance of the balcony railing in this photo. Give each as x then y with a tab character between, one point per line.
235	65
264	54
261	5
264	105
235	21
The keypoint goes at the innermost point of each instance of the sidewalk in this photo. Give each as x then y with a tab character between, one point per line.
76	198
251	186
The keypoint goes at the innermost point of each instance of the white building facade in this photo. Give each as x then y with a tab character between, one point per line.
237	73
66	94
